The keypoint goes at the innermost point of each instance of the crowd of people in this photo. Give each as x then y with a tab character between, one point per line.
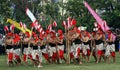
52	45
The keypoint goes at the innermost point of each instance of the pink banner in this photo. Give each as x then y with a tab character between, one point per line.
102	23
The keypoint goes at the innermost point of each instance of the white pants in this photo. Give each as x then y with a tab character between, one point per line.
9	50
84	48
52	50
110	48
27	50
60	47
16	51
74	49
100	47
35	53
78	46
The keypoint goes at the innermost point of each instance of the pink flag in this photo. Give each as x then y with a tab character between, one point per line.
95	24
54	23
64	24
114	37
12	27
105	26
6	28
69	22
24	26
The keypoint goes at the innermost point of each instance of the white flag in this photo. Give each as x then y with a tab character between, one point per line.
30	15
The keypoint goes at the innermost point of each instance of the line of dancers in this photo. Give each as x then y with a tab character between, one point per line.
51	45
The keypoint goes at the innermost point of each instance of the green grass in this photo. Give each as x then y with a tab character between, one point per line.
85	66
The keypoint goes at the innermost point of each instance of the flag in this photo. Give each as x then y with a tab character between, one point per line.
54	23
113	36
95	24
64	24
21	25
12	27
50	27
30	15
68	22
6	28
38	26
17	25
73	22
106	28
32	25
40	29
95	15
24	26
103	24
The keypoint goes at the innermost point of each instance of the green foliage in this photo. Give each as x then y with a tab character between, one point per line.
5	10
50	10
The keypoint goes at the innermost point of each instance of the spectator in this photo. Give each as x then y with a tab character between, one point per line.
2	49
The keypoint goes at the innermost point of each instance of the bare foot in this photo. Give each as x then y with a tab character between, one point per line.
80	63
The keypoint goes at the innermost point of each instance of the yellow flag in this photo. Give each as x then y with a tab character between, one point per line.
17	25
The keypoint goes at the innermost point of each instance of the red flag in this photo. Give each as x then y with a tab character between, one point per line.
42	32
38	26
12	27
54	23
27	33
6	28
40	29
21	25
34	24
50	27
73	22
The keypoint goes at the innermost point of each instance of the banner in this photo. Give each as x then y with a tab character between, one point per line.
17	25
30	15
102	23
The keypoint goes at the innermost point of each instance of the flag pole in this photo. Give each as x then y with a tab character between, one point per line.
68	49
66	44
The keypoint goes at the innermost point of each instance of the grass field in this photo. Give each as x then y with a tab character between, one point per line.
85	66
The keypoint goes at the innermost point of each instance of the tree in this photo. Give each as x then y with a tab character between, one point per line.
108	10
5	10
